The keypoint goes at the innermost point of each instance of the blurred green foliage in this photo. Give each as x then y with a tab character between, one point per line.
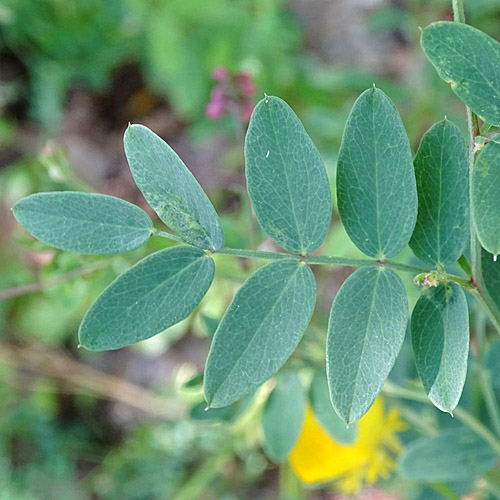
83	42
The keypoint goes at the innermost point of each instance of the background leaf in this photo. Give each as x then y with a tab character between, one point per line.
286	178
469	60
485	194
442	173
261	328
171	189
158	292
87	223
376	191
489	283
365	333
283	416
319	397
452	455
440	337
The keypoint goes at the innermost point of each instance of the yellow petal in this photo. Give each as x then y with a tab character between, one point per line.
317	458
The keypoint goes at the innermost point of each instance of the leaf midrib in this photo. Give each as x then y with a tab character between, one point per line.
257	330
368	321
87	221
146	295
290	197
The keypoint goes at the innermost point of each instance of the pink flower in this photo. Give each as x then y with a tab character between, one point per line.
246	84
220	74
215	110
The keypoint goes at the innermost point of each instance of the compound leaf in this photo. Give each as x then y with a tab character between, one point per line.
171	189
319	397
469	60
261	328
286	178
451	455
440	337
283	416
442	172
87	223
365	334
485	194
376	190
158	292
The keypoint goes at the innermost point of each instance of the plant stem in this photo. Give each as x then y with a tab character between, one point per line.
490	399
318	259
489	310
38	286
473	128
195	486
475	251
464	416
165	234
445	490
289	484
256	254
458	11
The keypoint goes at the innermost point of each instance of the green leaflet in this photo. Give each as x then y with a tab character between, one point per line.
158	292
286	178
485	194
376	191
489	283
365	334
442	172
469	60
87	223
283	416
440	337
452	455
171	189
259	331
319	397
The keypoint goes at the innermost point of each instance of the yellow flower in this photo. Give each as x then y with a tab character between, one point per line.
317	458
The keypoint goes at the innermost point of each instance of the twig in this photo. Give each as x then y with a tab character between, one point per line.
75	374
38	286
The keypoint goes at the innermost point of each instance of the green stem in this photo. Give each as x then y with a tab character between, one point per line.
165	234
458	11
445	490
289	484
489	310
492	483
473	128
318	259
466	284
17	291
490	399
475	250
256	254
195	486
465	417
